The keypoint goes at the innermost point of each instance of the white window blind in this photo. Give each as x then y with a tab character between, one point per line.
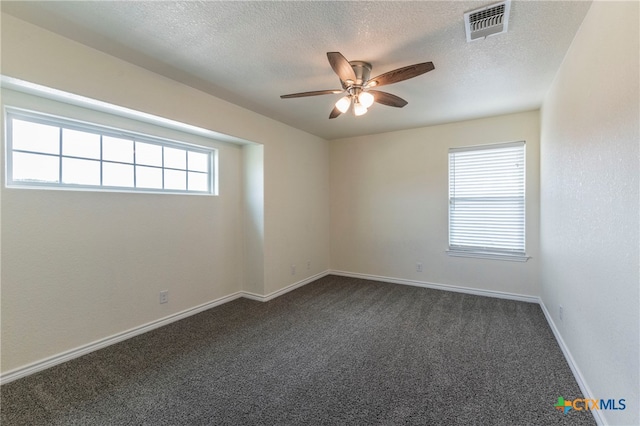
487	200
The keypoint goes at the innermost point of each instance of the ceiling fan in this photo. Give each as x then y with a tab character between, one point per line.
355	81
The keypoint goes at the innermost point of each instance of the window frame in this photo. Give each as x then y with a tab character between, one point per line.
11	113
480	251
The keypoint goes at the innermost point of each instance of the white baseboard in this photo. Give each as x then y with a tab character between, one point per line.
582	383
445	287
49	362
584	388
107	341
274	294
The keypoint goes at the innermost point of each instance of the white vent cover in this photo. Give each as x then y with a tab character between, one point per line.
487	21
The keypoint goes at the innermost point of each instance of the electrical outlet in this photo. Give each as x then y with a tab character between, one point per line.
560	312
164	296
293	269
419	267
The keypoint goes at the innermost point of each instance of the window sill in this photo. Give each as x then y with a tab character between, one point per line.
489	255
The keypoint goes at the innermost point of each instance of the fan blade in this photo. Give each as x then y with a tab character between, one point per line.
314	93
385	98
341	66
334	113
400	74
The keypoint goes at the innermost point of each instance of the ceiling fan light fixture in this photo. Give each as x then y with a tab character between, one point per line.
343	104
359	109
366	99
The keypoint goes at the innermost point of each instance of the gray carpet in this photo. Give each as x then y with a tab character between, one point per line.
336	351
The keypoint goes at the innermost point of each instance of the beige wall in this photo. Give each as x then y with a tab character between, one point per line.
296	203
80	265
61	291
253	180
386	196
389	205
589	211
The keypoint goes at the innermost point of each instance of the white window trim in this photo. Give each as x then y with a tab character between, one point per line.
488	255
89	104
480	253
11	112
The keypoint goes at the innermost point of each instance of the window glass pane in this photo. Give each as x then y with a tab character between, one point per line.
80	172
80	144
64	153
35	168
175	158
198	181
35	137
198	161
116	149
148	154
114	174
175	179
148	177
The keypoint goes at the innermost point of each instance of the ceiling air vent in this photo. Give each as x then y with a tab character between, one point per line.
487	21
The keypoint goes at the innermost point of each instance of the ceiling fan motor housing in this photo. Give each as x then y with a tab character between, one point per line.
362	70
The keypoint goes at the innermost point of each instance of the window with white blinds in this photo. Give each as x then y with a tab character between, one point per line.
487	201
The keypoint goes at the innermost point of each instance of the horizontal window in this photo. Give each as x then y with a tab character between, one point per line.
51	152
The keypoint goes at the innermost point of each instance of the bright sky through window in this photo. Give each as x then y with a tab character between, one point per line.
52	152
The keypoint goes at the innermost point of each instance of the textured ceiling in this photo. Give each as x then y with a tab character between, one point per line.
249	53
